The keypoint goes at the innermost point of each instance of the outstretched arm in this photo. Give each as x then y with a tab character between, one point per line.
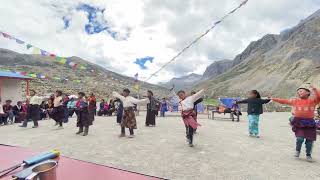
245	101
198	95
265	101
139	101
283	101
117	95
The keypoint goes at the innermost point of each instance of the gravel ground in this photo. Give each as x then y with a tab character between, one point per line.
222	149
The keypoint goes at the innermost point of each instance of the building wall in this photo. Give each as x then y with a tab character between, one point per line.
11	90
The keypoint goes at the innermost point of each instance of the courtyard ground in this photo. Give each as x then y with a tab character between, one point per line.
222	149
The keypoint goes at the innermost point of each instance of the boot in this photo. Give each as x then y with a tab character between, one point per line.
86	131
80	130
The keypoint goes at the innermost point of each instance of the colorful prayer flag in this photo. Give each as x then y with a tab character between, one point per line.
44	53
63	61
29	46
19	41
36	50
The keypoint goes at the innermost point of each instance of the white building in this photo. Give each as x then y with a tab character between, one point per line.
10	86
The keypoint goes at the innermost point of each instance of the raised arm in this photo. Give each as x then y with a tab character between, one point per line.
316	94
117	95
283	101
198	95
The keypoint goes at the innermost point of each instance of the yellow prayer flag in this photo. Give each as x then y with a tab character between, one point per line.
63	61
36	50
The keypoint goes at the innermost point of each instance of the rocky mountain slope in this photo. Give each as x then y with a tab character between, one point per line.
276	64
184	82
217	68
102	82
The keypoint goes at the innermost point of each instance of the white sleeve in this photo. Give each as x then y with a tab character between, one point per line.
117	95
139	101
198	95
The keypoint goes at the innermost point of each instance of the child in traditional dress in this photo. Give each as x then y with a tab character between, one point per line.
129	118
82	111
254	110
303	123
188	114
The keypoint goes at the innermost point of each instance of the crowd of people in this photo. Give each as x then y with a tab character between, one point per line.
60	107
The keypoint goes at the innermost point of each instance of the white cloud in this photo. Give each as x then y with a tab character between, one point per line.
158	28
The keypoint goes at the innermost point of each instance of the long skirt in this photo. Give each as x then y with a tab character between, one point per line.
151	117
33	112
305	128
83	119
189	119
57	114
129	119
91	114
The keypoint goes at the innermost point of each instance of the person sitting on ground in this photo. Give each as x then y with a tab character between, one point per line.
19	112
8	110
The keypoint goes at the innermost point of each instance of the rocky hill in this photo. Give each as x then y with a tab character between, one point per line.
217	68
184	82
276	64
99	81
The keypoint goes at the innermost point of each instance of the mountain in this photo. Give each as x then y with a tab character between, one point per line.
183	82
99	81
275	64
217	68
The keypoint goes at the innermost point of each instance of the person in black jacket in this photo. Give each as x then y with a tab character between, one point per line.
255	108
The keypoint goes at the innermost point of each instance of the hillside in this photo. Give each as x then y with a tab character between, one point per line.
102	82
184	82
275	64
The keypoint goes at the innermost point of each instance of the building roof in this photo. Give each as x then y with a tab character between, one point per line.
11	75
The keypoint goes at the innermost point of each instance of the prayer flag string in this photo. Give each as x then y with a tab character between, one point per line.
196	40
36	50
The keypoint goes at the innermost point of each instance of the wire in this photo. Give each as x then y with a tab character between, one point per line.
196	40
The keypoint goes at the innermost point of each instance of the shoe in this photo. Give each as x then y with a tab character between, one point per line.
35	126
86	131
56	124
79	132
309	158
297	154
251	135
257	136
122	135
131	136
191	145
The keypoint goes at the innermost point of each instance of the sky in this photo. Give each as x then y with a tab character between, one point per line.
139	36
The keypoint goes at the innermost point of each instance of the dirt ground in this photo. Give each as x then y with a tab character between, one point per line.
222	149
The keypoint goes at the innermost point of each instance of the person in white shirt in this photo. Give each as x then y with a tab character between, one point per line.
33	111
129	118
58	109
188	115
